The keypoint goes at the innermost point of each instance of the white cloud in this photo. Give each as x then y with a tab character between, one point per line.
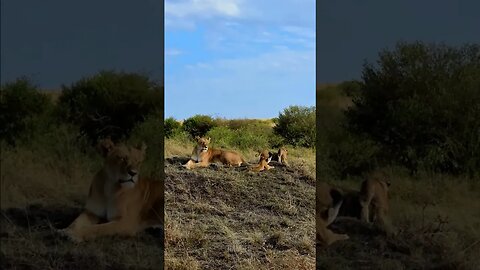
280	64
275	79
202	8
173	52
185	14
307	32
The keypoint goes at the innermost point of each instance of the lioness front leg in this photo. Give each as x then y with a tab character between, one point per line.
365	203
365	211
268	167
116	227
327	237
202	164
84	219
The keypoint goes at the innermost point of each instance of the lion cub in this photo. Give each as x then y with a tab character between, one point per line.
265	158
281	156
373	196
202	155
370	203
118	195
328	203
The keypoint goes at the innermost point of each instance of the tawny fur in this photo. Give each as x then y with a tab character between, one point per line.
203	156
328	203
373	196
117	195
265	157
281	156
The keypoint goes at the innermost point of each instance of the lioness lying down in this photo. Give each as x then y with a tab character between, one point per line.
202	155
118	195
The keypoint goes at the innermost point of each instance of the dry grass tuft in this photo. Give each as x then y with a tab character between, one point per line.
230	218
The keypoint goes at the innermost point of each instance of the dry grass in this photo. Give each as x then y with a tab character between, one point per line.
39	195
436	221
230	218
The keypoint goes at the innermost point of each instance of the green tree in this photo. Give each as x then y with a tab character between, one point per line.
296	124
199	125
22	109
421	102
172	127
110	103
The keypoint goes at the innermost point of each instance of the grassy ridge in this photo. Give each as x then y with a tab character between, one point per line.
436	215
44	185
221	217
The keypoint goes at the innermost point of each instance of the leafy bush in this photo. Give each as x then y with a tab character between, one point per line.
172	127
199	125
421	103
23	110
245	138
149	132
110	103
352	155
296	124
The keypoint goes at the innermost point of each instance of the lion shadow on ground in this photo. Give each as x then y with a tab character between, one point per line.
176	160
38	216
182	160
48	219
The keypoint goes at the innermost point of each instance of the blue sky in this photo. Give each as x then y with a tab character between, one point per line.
57	42
238	58
351	31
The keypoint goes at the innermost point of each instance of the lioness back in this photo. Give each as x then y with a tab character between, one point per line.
226	157
203	155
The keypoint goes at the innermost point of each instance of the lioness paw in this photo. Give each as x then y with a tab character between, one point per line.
70	235
343	237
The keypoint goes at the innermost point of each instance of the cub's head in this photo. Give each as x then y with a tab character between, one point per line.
122	162
282	152
265	155
202	143
382	178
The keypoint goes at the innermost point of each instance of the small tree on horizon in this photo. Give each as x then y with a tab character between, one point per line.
296	124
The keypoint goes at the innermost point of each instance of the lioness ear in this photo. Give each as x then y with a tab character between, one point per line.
208	139
104	146
388	183
197	138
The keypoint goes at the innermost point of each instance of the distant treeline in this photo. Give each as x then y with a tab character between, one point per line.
64	126
294	126
108	104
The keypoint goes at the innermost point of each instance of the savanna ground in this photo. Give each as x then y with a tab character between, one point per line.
48	160
229	218
436	216
436	219
42	193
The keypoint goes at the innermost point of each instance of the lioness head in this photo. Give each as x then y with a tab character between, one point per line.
202	142
122	162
